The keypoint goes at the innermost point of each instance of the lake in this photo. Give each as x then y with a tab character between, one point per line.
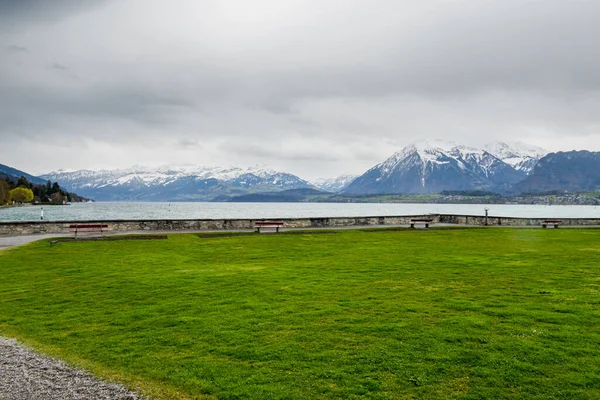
134	211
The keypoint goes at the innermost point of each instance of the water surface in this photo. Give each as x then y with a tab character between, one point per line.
138	211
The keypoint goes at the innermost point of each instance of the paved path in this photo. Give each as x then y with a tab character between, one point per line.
11	241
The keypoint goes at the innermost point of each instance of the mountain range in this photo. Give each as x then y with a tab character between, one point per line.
433	166
421	167
176	183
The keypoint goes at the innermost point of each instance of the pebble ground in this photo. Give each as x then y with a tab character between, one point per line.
25	375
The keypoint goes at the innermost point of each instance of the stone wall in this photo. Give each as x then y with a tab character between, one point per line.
510	221
29	228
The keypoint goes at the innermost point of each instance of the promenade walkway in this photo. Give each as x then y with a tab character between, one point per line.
12	241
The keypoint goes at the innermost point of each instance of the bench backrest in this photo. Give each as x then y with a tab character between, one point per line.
88	226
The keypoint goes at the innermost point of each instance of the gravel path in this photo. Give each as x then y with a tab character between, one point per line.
25	375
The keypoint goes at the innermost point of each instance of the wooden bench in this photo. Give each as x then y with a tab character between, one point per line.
88	228
268	224
554	222
420	221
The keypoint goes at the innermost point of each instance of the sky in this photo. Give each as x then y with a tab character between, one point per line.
318	88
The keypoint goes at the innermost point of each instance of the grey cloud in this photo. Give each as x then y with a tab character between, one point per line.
189	143
57	66
16	13
275	151
321	80
14	49
35	108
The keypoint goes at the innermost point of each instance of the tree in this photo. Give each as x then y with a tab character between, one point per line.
23	182
57	198
55	188
21	195
4	192
41	192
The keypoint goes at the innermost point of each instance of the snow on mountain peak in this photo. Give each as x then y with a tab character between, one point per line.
149	174
234	172
430	152
521	156
166	175
427	149
183	182
430	166
334	184
434	145
516	149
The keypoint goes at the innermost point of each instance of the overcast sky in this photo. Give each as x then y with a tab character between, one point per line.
318	88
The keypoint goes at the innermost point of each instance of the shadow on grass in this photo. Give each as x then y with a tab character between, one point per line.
408	229
108	239
322	231
283	233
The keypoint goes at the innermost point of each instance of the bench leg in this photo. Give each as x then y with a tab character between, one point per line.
412	225
426	226
277	230
543	225
556	226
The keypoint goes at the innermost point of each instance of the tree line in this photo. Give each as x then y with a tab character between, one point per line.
22	191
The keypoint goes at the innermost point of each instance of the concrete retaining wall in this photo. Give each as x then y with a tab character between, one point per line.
28	228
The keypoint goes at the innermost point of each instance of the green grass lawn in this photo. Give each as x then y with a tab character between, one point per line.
387	314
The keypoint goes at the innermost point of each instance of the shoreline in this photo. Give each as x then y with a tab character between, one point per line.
25	228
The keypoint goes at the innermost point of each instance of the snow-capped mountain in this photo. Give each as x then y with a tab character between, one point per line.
433	166
421	167
175	183
520	156
334	185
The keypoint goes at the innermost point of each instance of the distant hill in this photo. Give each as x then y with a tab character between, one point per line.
285	196
43	191
572	171
13	174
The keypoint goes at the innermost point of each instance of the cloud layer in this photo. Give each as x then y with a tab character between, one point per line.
319	88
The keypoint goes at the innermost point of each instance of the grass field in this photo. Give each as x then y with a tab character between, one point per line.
457	313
